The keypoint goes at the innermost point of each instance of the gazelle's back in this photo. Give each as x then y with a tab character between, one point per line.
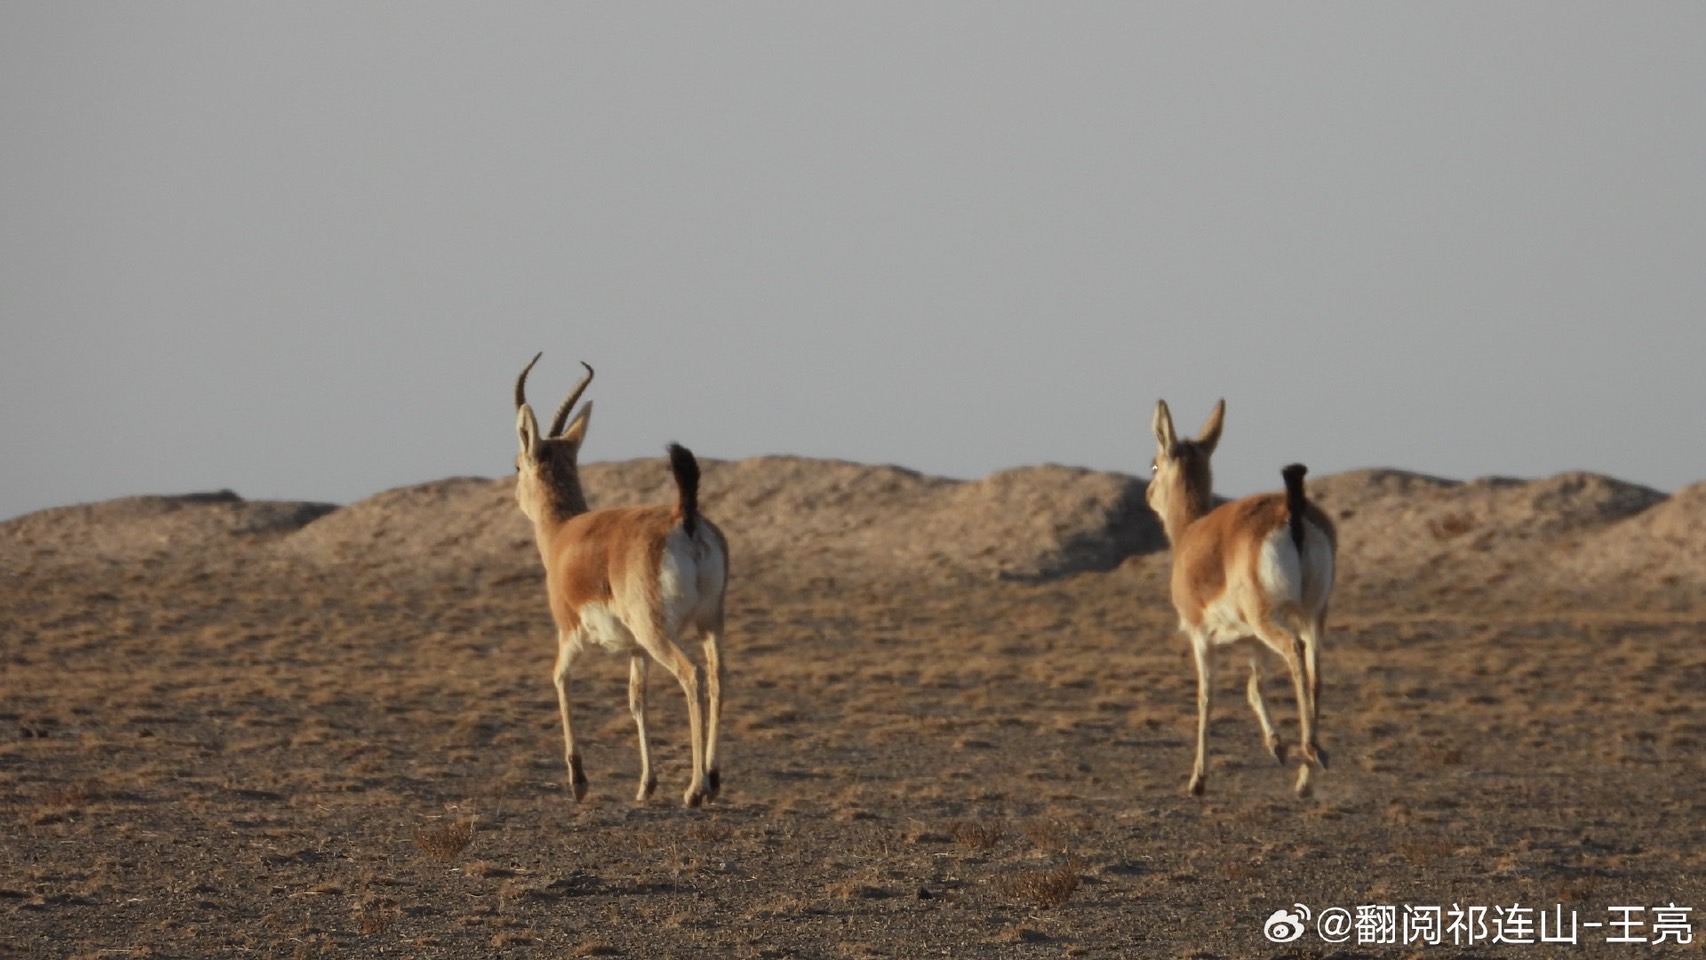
1221	576
634	559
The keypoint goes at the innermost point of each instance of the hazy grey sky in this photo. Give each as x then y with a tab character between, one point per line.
302	249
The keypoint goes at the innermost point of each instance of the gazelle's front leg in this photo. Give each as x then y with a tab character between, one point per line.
1205	693
637	706
566	649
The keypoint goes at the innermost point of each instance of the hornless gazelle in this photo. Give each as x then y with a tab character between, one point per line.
637	580
1256	569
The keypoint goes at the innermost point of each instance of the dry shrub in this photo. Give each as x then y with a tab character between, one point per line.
1451	526
375	916
1021	934
484	869
64	801
71	796
1046	835
1238	871
1044	886
975	836
444	841
1423	851
710	831
514	938
1442	754
1581	888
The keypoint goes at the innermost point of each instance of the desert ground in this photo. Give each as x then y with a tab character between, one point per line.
959	723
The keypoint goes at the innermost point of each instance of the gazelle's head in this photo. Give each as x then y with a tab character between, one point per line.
547	479
1181	485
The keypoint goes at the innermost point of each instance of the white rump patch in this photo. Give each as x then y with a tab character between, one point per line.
1288	579
690	577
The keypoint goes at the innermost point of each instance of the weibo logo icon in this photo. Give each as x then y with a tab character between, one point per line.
1285	926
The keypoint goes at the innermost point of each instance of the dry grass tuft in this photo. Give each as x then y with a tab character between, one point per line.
1451	526
1423	851
1046	835
1044	887
444	841
72	796
975	836
710	831
374	916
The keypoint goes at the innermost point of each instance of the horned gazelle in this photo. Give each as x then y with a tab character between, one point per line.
1254	572
637	580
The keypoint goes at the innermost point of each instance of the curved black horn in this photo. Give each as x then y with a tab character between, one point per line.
521	381
562	416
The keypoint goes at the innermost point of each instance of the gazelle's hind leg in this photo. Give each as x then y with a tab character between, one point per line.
1311	636
1205	691
567	647
712	635
655	639
637	706
1313	633
1290	647
1254	692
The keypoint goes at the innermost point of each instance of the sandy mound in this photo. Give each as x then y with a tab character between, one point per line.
1662	549
150	529
1423	542
463	526
834	518
1442	538
782	515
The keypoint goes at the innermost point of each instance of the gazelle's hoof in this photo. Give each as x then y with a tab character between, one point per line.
645	791
1196	786
577	778
1278	749
713	785
694	798
1304	788
1315	755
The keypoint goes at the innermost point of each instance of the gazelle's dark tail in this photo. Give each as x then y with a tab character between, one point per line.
686	470
1295	504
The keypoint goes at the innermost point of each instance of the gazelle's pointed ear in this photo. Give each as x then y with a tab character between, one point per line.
576	430
1162	424
1210	433
527	431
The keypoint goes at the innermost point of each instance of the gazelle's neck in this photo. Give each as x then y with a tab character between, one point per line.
1188	502
550	495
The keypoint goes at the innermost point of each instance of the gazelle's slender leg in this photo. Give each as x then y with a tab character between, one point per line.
1254	692
566	650
637	706
1205	693
1290	647
714	703
1312	636
652	636
1311	665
